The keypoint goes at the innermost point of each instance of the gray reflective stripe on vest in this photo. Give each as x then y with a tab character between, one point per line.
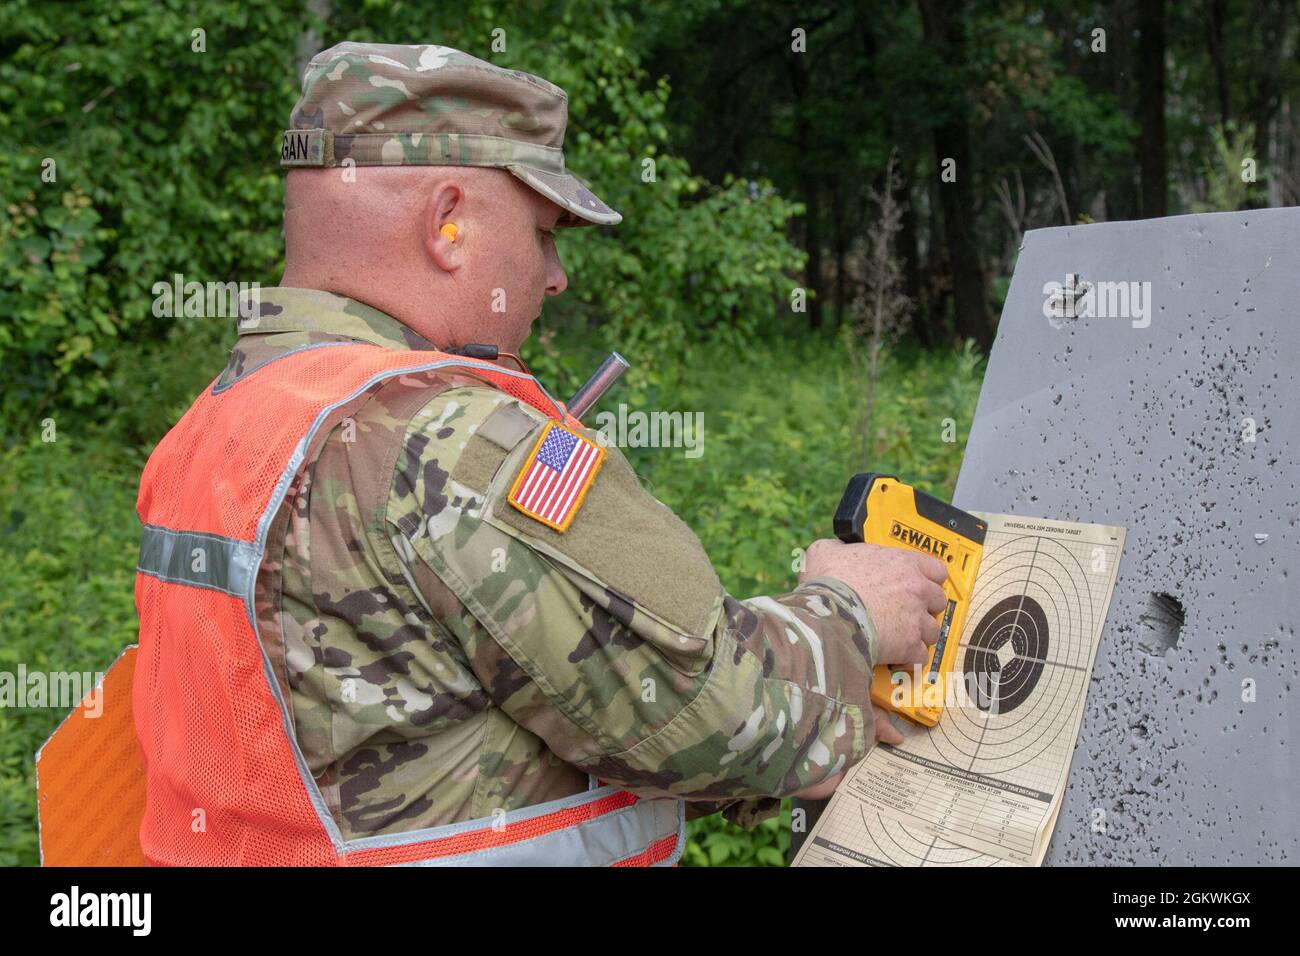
606	839
203	560
601	841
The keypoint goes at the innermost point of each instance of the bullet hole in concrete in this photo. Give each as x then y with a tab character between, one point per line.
1160	624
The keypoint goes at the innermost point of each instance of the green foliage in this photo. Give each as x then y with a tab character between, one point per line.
69	540
164	161
715	842
46	258
1226	190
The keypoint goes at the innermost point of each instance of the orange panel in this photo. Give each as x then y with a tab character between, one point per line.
90	781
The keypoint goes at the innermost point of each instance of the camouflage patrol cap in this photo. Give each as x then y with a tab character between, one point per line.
380	104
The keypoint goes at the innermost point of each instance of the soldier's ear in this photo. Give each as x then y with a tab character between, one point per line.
444	206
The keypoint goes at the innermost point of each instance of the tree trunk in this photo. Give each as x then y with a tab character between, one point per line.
1151	108
810	184
941	27
812	243
937	292
1216	15
1268	89
909	253
1122	198
841	251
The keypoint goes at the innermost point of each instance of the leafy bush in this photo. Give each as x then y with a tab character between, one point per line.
69	540
140	157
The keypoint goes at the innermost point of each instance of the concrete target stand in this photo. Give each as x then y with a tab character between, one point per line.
1183	425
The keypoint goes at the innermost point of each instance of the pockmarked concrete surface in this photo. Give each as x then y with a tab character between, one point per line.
1147	374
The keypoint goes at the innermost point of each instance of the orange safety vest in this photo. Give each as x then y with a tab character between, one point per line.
227	783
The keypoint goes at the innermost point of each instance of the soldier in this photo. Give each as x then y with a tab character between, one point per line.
453	648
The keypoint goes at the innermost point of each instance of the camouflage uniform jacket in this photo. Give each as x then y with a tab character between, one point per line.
446	656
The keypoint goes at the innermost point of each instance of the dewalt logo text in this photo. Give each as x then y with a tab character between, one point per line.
918	539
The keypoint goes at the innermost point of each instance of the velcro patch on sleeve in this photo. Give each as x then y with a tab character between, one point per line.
556	475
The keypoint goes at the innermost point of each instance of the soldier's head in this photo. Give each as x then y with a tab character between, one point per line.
390	145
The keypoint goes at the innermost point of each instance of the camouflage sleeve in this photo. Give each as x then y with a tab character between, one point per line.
614	642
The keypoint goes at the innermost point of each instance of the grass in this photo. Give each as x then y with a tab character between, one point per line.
778	446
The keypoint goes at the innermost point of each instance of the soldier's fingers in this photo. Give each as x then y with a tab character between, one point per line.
932	568
820	791
817	547
916	653
886	732
929	632
935	599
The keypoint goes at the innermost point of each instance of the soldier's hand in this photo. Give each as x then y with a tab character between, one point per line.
821	791
902	590
886	732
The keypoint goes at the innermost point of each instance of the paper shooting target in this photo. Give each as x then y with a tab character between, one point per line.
1024	654
988	772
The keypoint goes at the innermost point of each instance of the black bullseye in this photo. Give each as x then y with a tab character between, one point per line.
1005	654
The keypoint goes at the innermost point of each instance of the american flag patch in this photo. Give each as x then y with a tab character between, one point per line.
556	476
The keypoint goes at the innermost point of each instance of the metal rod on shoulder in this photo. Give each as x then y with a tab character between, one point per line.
597	385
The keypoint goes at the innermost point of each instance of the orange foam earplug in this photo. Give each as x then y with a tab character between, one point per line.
450	230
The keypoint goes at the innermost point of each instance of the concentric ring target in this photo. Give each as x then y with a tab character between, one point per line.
1006	652
977	788
1024	655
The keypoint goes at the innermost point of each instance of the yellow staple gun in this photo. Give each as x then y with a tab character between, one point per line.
880	509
